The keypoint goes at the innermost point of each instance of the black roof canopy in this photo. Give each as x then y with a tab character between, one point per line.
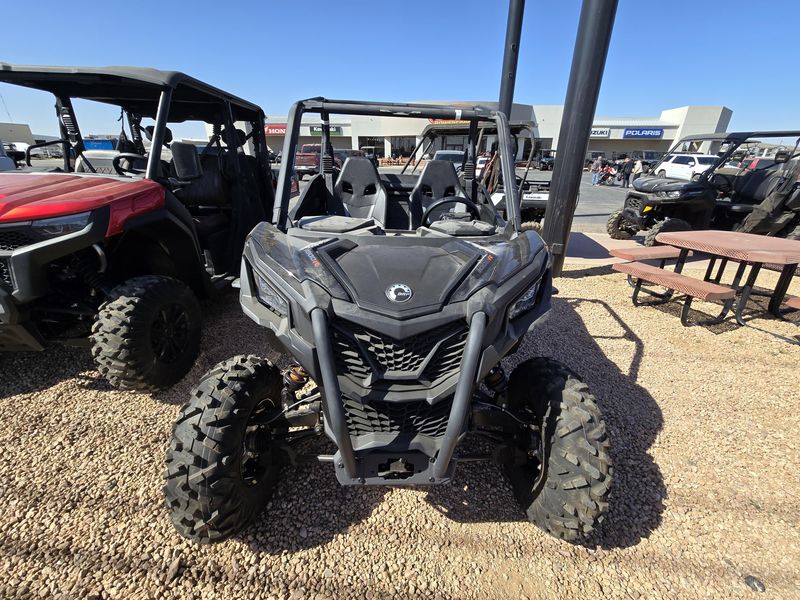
739	136
136	89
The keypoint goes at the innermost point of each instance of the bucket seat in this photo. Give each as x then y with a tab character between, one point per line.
438	180
360	190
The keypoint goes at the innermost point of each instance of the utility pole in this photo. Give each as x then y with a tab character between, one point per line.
508	77
588	63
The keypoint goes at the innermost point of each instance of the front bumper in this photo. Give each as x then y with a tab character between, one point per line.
306	170
632	210
24	259
16	332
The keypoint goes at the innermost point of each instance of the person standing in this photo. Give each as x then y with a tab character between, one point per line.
638	169
597	167
627	169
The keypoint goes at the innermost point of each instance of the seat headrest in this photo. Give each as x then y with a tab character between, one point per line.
439	176
360	175
781	156
239	136
148	133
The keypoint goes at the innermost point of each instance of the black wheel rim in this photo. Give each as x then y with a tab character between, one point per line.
169	333
257	445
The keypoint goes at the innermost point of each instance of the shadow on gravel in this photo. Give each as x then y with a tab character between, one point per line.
587	272
757	309
287	524
28	372
632	417
226	332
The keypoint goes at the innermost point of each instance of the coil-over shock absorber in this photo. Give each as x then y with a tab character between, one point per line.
294	379
496	380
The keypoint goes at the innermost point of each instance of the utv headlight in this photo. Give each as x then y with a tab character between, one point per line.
673	194
525	302
270	297
58	226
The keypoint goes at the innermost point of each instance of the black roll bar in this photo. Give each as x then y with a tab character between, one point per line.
327	107
154	160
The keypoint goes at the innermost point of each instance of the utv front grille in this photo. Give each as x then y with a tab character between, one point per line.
428	356
418	417
634	203
11	239
5	274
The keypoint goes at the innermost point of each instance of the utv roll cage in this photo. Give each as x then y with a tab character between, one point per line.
475	115
734	139
165	96
517	130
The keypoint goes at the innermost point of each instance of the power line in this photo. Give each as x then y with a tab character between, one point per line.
10	118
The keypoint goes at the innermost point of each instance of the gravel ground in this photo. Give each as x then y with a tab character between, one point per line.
703	426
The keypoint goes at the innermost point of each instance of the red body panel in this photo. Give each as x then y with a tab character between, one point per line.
28	196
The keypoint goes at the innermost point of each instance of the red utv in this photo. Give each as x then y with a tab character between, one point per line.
113	248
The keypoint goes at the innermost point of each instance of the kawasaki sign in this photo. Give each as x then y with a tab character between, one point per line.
642	133
317	129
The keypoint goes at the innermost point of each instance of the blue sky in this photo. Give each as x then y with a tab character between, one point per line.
664	53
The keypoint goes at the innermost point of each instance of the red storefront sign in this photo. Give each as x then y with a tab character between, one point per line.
275	129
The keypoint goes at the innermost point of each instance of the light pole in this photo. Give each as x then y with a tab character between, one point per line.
588	63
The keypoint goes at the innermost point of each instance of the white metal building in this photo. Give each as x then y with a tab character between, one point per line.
16	132
611	136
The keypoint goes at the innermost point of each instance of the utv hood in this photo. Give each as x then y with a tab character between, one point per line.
401	276
394	275
30	196
650	185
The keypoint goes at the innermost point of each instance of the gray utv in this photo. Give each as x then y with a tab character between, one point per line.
398	296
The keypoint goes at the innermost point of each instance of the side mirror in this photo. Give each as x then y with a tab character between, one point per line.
781	156
186	161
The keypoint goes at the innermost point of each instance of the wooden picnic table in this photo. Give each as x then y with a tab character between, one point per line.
744	248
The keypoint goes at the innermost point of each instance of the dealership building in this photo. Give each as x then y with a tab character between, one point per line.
611	136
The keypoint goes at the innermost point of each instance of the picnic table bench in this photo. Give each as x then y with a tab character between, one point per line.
742	248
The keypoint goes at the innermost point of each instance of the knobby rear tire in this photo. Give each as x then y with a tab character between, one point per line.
122	339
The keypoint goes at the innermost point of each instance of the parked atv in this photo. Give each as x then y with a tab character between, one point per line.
400	306
719	198
114	248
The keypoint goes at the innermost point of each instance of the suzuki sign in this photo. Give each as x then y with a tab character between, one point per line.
649	133
600	132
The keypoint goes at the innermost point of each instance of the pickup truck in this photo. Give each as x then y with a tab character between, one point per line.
306	162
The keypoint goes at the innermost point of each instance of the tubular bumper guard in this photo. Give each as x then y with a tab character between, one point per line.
364	467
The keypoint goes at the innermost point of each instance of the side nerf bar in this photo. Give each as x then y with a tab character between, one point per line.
463	395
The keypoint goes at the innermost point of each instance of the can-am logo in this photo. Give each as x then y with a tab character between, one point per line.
398	292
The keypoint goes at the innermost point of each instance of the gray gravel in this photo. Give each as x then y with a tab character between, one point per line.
703	424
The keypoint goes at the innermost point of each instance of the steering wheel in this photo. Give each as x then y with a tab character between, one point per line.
474	211
131	156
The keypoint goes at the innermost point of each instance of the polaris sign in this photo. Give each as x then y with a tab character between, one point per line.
649	133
